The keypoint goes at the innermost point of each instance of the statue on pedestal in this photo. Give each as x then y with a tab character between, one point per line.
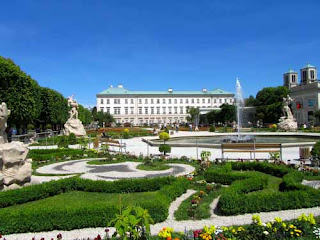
15	168
287	122
74	125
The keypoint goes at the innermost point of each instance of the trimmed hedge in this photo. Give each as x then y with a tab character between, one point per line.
241	197
47	154
34	217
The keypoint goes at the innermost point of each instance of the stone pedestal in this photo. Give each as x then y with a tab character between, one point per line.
74	126
16	169
288	125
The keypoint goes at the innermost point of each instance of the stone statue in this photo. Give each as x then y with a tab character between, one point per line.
74	125
15	168
4	114
286	109
74	105
287	122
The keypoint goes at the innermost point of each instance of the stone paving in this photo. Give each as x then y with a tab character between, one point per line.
111	172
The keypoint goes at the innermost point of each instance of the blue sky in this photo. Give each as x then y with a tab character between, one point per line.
83	47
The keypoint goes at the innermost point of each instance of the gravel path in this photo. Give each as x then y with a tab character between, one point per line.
176	203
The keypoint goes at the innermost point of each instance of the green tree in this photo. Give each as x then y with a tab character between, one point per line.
193	114
227	113
104	117
250	101
20	92
269	103
54	108
85	115
212	116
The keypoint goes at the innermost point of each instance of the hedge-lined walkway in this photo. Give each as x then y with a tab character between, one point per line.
179	226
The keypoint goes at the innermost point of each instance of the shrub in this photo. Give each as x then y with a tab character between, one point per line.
63	142
165	148
164	136
48	126
212	129
30	127
72	139
315	152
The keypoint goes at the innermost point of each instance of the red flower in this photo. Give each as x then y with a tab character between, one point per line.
59	236
107	230
42	239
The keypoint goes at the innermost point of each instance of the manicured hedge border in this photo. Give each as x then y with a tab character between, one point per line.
236	200
39	218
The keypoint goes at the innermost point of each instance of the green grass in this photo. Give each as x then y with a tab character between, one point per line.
153	167
79	199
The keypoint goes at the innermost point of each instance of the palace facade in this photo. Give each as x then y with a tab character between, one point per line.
149	107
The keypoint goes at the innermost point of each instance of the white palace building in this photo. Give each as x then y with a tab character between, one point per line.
149	107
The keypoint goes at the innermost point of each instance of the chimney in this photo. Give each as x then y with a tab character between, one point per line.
120	86
204	90
170	90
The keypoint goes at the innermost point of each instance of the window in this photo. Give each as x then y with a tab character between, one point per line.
198	100
175	110
215	100
126	110
169	101
225	100
170	110
164	110
187	100
140	110
108	101
116	101
163	101
131	101
116	111
146	101
158	110
158	101
140	101
181	100
220	100
101	109
209	100
132	110
126	101
175	101
304	75
151	101
203	100
101	101
152	110
230	100
293	78
181	110
146	110
312	74
108	110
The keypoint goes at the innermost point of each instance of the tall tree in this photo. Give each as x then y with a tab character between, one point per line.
20	92
269	103
85	115
193	114
227	113
104	117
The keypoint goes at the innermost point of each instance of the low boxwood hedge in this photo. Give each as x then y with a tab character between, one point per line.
38	216
244	195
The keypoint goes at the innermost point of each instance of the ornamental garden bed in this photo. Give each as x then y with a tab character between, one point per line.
77	203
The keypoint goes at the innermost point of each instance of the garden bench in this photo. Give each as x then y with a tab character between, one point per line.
252	148
113	143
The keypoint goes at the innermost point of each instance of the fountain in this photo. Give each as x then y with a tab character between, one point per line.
240	106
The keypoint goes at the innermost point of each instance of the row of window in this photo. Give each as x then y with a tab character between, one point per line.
151	121
146	110
164	101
